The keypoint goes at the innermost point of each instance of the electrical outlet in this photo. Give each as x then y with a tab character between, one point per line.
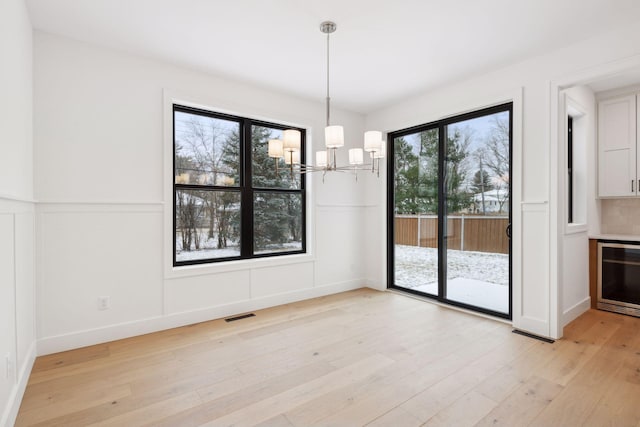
103	303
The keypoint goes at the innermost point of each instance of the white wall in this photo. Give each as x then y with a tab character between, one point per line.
536	284
104	200
17	300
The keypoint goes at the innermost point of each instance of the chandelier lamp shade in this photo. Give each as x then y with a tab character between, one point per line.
288	148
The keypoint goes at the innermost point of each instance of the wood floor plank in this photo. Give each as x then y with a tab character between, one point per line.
396	417
524	404
151	414
577	352
584	392
508	379
364	401
618	407
358	358
440	395
465	411
73	404
282	402
242	397
68	358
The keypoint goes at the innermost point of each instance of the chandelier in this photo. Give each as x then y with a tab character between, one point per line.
288	148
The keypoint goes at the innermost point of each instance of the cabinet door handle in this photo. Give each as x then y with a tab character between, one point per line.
632	185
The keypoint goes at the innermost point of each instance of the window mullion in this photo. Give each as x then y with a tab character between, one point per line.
246	230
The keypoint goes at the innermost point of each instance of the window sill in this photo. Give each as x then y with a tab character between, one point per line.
575	228
236	265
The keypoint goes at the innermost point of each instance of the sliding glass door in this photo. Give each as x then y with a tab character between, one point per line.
416	210
449	210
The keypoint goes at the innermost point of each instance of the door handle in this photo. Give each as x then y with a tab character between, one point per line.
508	230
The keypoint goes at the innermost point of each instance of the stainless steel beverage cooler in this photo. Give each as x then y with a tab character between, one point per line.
619	278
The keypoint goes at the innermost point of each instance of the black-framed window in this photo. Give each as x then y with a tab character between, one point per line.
229	201
570	169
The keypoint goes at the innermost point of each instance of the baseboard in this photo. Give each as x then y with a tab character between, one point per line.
89	337
572	313
375	284
15	397
533	326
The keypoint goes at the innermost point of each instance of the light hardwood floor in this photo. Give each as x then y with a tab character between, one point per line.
356	358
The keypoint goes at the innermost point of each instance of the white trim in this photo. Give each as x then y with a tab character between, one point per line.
570	108
574	312
575	228
10	207
52	208
556	102
236	265
88	337
170	272
13	198
17	392
346	205
100	202
518	206
617	93
375	285
599	72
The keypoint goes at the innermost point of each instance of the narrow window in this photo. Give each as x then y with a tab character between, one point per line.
570	169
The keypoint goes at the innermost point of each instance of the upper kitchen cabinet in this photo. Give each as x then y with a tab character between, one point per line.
617	150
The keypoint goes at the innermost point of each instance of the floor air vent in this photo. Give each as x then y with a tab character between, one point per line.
536	337
242	316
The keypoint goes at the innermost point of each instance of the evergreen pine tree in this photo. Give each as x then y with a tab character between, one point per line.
481	182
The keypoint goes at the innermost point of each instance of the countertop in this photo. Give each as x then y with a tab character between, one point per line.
625	237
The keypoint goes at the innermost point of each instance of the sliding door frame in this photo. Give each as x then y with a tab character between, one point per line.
441	125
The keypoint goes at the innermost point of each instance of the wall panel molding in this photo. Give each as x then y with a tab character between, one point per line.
88	337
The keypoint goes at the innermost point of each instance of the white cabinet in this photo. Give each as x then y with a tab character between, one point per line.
617	150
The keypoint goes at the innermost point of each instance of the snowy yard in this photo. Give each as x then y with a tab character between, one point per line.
209	250
417	266
475	278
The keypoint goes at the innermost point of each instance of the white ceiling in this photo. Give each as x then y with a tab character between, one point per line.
382	51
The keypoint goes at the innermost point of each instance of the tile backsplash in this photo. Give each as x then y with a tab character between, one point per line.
620	216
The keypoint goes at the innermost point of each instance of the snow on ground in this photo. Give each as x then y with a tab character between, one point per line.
230	251
473	292
207	253
416	266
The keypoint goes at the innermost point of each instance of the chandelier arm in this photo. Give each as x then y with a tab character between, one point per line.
335	139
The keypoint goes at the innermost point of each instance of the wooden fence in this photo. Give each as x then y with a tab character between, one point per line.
467	233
